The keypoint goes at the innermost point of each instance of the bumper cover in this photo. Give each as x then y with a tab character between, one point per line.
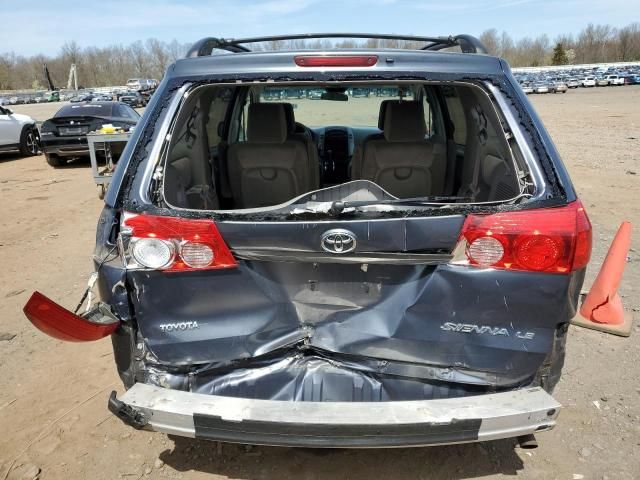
338	424
65	147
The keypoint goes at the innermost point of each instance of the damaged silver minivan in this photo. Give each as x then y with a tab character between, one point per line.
336	248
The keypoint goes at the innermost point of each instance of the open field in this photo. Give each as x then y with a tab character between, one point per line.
53	395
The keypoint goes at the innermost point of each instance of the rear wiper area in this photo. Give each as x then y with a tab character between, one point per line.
340	206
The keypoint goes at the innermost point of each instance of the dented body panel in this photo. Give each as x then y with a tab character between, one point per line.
416	320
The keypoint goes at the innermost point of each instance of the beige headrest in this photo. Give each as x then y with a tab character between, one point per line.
381	114
266	123
404	122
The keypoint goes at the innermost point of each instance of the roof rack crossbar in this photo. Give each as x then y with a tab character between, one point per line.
467	43
206	46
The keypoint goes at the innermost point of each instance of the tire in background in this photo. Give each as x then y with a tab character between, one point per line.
28	142
54	160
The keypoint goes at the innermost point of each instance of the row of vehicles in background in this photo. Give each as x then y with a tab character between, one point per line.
64	135
316	93
559	81
130	97
38	97
142	84
136	93
546	86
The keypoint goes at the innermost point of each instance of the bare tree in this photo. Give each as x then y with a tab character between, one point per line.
159	57
491	41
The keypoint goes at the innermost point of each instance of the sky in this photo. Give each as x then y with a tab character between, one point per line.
43	26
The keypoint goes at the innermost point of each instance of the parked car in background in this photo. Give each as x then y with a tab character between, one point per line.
134	84
615	80
558	86
541	87
588	81
141	84
82	97
315	94
360	92
18	132
133	99
631	80
602	82
65	134
573	82
102	97
284	291
527	88
52	96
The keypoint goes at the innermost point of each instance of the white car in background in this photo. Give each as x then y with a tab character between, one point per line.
573	82
615	80
540	87
18	132
588	81
133	84
527	88
141	84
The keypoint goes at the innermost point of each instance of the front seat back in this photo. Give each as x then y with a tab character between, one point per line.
356	161
297	131
268	168
403	162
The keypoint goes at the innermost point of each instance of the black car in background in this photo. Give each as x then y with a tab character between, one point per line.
82	97
133	99
65	135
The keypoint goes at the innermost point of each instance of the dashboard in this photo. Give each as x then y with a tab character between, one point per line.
336	145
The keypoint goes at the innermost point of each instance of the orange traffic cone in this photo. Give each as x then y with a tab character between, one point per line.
602	308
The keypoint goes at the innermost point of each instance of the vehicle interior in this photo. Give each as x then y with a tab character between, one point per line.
257	146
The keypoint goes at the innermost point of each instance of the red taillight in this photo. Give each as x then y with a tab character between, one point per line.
58	322
554	240
177	244
336	60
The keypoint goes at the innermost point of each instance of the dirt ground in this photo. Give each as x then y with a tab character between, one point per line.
53	395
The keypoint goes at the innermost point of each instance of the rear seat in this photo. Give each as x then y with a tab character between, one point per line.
270	167
403	162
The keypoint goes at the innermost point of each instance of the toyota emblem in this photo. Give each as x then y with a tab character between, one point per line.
338	241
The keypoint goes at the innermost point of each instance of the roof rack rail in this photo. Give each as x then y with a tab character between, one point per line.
206	46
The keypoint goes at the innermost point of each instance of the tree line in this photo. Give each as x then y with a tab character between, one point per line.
594	44
113	65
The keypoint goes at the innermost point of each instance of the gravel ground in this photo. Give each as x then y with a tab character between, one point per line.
53	394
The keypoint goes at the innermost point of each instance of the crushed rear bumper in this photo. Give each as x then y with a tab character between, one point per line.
337	424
